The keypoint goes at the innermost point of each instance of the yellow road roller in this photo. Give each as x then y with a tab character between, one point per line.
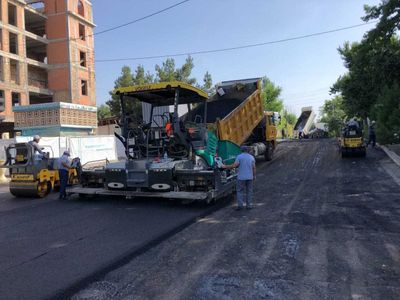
34	175
352	141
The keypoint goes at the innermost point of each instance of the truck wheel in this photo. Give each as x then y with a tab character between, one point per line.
269	152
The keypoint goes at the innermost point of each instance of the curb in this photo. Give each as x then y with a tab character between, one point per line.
393	156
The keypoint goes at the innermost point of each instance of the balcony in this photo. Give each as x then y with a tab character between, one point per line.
14	72
37	98
36	5
35	21
36	50
37	78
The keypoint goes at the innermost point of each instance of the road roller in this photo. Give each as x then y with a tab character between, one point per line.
352	141
34	175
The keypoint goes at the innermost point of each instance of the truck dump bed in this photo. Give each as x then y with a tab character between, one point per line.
305	121
236	108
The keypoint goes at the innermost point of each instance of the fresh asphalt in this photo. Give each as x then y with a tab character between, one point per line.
323	227
50	248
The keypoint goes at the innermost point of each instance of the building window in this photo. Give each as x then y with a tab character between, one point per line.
1	68
12	14
14	71
82	59
84	88
16	99
13	42
81	8
82	32
2	101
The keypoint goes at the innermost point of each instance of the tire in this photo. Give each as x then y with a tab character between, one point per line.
344	154
43	189
269	152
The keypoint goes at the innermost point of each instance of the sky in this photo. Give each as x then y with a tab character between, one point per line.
305	69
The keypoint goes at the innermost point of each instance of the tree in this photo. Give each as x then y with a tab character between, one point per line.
271	96
183	73
333	115
165	72
373	68
291	119
388	115
103	111
389	19
207	82
124	80
128	79
168	72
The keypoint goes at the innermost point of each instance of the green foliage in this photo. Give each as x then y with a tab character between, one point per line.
166	72
333	115
290	118
388	115
103	111
287	121
389	19
124	80
271	96
373	67
207	82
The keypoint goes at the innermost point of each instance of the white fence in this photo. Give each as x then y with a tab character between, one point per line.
86	148
3	145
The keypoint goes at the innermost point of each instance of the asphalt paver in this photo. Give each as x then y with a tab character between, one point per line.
323	227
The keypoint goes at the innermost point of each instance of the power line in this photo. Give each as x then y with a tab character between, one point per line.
237	47
305	93
140	19
315	96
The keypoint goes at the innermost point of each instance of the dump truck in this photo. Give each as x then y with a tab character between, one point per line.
236	111
34	176
304	122
177	156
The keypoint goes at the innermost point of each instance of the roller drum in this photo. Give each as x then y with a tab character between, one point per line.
29	189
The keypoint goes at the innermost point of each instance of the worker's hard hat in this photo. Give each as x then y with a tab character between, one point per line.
66	152
36	137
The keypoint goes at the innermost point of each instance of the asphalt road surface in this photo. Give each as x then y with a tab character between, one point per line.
50	247
323	228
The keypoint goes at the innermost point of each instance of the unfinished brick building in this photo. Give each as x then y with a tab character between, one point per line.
46	56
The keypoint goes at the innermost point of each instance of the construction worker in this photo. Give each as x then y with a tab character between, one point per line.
64	164
38	151
300	133
246	165
371	134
